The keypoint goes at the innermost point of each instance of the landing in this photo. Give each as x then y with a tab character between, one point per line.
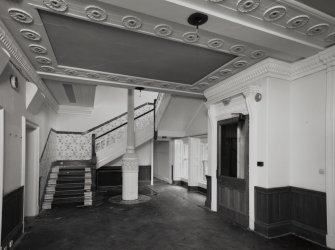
173	219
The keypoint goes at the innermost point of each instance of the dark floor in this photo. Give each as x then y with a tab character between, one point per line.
173	219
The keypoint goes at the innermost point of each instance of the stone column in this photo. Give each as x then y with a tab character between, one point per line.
130	159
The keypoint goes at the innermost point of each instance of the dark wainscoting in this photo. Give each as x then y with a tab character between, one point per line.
12	216
208	202
191	188
233	199
111	176
286	210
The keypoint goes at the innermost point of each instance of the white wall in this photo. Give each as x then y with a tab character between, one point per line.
308	135
178	117
277	130
14	103
109	103
143	153
198	125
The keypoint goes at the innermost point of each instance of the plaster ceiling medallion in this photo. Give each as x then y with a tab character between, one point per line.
113	78
163	30
96	13
43	60
212	78
240	64
297	22
215	43
132	22
38	49
317	29
257	54
238	49
245	6
48	69
130	80
195	88
274	13
92	75
191	37
57	5
225	72
203	84
20	15
30	35
71	72
330	38
148	83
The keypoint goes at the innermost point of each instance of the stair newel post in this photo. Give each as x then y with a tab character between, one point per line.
94	163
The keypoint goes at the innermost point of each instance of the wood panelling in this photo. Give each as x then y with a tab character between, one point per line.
112	176
233	193
285	210
12	216
233	199
144	173
208	202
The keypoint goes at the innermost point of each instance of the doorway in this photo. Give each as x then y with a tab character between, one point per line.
233	169
162	169
30	173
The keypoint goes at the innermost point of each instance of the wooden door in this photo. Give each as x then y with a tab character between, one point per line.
233	169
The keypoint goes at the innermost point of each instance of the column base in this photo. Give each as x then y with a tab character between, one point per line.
130	177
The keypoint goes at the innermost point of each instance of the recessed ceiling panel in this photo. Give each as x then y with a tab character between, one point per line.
67	93
326	6
93	46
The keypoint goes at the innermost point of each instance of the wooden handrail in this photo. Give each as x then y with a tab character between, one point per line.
123	124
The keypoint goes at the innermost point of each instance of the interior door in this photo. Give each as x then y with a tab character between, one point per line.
233	169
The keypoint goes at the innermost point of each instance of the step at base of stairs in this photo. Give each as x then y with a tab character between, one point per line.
68	186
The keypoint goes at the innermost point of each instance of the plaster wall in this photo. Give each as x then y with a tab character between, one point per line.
308	131
14	104
109	103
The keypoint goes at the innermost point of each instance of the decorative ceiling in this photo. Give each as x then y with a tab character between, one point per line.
148	43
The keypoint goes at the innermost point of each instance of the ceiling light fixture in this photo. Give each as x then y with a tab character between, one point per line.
140	89
197	19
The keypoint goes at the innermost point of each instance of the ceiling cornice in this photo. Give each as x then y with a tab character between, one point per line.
270	68
22	63
44	59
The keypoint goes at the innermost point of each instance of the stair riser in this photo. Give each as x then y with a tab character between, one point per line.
68	186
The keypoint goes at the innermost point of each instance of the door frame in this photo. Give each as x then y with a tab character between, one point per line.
33	201
2	148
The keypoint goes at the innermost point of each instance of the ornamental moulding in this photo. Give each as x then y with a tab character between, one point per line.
20	60
270	68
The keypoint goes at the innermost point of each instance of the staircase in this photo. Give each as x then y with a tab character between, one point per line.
69	186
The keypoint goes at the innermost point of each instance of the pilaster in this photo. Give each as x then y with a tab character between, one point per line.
330	153
252	110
